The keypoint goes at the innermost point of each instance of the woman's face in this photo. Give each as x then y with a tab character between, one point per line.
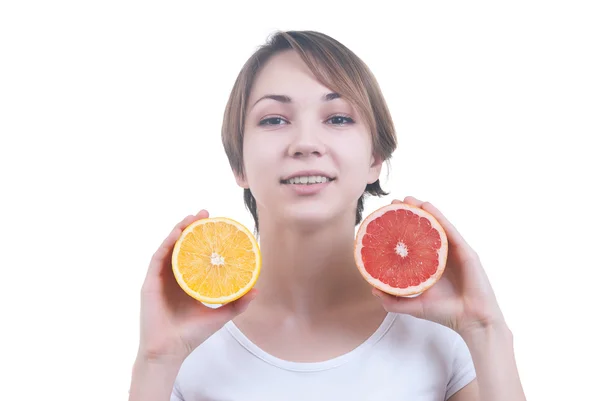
307	154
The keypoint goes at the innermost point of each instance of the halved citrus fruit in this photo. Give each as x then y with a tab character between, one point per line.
216	260
401	249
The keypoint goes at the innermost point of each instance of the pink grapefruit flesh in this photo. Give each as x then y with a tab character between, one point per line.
401	249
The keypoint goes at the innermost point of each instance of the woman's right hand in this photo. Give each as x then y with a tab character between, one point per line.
172	323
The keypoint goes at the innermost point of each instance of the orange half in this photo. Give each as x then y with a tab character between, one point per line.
216	260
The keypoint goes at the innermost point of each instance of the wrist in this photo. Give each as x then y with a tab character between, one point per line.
144	367
147	357
492	331
153	378
485	318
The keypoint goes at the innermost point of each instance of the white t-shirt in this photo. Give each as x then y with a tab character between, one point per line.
405	359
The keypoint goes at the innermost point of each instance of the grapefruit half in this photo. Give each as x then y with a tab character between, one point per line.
401	249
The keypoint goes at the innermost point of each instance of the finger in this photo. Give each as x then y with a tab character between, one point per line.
232	309
454	237
411	200
165	249
203	214
408	306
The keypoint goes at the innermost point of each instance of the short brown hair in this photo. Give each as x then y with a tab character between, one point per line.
336	67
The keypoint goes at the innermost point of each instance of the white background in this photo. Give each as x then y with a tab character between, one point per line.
110	117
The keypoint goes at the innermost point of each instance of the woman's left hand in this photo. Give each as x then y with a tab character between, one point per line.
463	298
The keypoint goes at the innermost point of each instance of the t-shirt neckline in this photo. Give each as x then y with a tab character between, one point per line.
310	366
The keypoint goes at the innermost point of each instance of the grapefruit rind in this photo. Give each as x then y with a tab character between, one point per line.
406	291
224	299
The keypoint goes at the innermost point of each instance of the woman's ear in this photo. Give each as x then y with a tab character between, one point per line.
241	179
375	168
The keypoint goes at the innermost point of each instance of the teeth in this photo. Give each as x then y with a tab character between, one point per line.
312	179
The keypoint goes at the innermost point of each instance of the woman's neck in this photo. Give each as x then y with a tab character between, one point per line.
307	271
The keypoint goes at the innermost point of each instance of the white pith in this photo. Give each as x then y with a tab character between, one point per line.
309	179
216	259
401	249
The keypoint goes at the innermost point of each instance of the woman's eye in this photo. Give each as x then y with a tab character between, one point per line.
341	120
272	121
335	120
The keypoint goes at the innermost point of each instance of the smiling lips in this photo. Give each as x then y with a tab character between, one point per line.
307	178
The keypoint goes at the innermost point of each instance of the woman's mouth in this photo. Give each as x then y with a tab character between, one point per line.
307	180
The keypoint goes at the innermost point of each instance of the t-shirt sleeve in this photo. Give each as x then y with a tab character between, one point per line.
176	394
462	368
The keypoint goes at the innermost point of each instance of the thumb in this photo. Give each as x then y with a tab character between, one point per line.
407	305
232	309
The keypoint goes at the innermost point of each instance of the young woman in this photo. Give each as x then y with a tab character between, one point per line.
305	106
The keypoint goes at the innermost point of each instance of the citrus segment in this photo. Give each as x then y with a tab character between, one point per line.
401	249
216	260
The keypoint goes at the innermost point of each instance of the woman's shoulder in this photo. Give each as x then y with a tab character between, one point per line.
426	342
407	327
409	335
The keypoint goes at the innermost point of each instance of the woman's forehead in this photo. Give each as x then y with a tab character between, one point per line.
286	74
286	80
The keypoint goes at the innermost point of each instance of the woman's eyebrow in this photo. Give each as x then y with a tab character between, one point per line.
287	99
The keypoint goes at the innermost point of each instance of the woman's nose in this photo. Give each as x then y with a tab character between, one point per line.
306	141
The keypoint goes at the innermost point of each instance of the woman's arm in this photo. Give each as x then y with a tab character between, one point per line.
172	324
492	351
153	380
464	301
